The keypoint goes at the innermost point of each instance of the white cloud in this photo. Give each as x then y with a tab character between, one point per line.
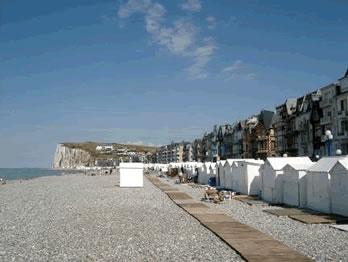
133	6
212	22
201	56
233	68
211	19
178	39
192	5
237	70
250	76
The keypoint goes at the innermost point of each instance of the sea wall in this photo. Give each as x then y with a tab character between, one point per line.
66	157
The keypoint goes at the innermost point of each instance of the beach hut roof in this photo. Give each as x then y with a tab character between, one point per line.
344	162
300	166
221	162
252	161
278	163
231	160
325	164
207	164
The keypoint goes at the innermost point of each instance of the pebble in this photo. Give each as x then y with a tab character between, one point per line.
317	241
88	218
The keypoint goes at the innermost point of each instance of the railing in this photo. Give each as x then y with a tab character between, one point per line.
342	134
342	113
262	137
262	150
325	120
325	102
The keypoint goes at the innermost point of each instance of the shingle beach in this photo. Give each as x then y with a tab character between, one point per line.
90	218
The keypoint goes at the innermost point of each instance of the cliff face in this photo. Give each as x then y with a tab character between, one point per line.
66	157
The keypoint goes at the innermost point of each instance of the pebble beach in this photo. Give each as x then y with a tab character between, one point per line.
317	241
90	218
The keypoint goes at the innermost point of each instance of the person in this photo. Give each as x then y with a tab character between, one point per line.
195	178
181	173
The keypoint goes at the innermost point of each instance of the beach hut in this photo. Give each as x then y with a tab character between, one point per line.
212	170
339	188
228	173
247	176
271	177
295	184
220	173
319	185
204	173
236	173
131	174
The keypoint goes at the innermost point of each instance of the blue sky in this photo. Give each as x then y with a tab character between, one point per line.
153	71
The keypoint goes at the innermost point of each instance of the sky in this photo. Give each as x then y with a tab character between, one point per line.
155	71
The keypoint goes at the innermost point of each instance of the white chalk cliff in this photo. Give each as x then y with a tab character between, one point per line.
66	157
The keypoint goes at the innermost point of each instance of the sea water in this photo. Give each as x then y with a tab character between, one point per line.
20	173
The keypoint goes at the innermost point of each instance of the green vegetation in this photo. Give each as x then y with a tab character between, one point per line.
91	148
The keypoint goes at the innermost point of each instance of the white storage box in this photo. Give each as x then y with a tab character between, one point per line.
131	174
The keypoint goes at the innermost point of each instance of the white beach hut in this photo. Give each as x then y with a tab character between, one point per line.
236	173
339	188
271	177
248	176
228	172
220	173
295	184
204	173
319	185
131	174
212	170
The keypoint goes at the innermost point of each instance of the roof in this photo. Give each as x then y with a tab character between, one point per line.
278	163
266	116
230	161
290	103
325	164
250	161
345	75
300	166
207	164
344	162
221	162
253	161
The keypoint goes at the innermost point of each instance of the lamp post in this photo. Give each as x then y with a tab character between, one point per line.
329	137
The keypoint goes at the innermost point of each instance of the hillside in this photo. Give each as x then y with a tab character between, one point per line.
91	148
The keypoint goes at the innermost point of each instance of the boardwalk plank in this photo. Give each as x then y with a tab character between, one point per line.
250	243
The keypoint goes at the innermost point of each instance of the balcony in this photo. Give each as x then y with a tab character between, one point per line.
261	150
342	135
325	120
342	114
261	138
326	102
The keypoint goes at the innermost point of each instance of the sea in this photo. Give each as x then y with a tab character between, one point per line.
27	173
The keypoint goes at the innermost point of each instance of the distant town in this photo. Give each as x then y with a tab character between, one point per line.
314	125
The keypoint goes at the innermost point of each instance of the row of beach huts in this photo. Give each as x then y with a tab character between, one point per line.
293	181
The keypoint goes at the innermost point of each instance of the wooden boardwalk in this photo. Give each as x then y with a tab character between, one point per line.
308	216
250	243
